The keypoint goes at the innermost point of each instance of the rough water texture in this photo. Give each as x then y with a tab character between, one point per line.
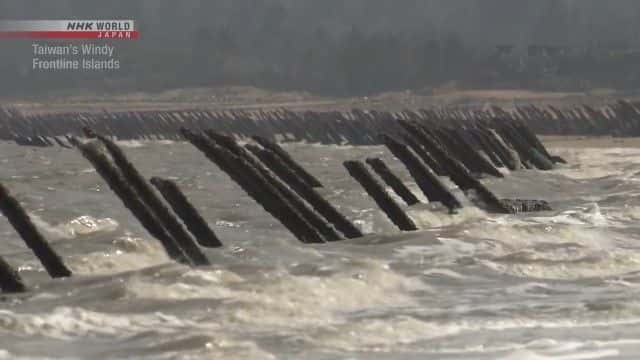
557	285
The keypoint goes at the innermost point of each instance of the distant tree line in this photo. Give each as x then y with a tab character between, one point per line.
356	47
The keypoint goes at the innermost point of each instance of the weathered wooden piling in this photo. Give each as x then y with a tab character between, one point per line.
10	281
359	172
321	226
185	210
458	173
155	204
356	127
326	230
423	154
252	182
319	203
132	201
427	181
274	147
392	181
526	151
21	222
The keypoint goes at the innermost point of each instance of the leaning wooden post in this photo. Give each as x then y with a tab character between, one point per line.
423	154
358	171
20	221
392	181
189	215
10	281
320	204
297	168
255	185
326	230
321	226
132	201
458	173
155	204
428	182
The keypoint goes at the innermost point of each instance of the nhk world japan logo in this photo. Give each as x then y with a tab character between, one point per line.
68	29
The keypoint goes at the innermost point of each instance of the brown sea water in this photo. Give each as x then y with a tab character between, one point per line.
555	285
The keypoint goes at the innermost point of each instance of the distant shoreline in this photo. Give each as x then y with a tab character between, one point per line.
223	98
580	142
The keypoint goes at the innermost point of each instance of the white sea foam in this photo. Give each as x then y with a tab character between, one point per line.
426	218
71	322
129	253
281	299
83	225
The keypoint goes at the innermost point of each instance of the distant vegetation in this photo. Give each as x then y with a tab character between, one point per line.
353	47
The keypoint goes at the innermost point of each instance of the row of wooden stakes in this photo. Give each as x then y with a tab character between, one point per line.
269	175
355	127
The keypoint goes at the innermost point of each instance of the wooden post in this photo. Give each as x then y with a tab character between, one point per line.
359	172
327	231
428	182
423	154
155	204
321	226
458	172
132	201
10	281
274	147
189	215
320	204
392	181
20	221
256	186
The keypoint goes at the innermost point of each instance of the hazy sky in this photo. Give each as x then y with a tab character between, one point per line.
477	21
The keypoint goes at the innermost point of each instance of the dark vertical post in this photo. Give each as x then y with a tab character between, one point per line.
320	204
358	171
155	204
251	181
392	181
132	201
189	215
296	202
304	174
329	233
428	182
10	281
458	172
423	154
20	221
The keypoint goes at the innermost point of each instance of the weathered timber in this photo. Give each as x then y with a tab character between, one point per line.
359	172
461	175
458	173
427	181
304	174
322	227
256	186
319	203
185	210
327	231
21	222
10	281
423	154
392	181
155	204
132	201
